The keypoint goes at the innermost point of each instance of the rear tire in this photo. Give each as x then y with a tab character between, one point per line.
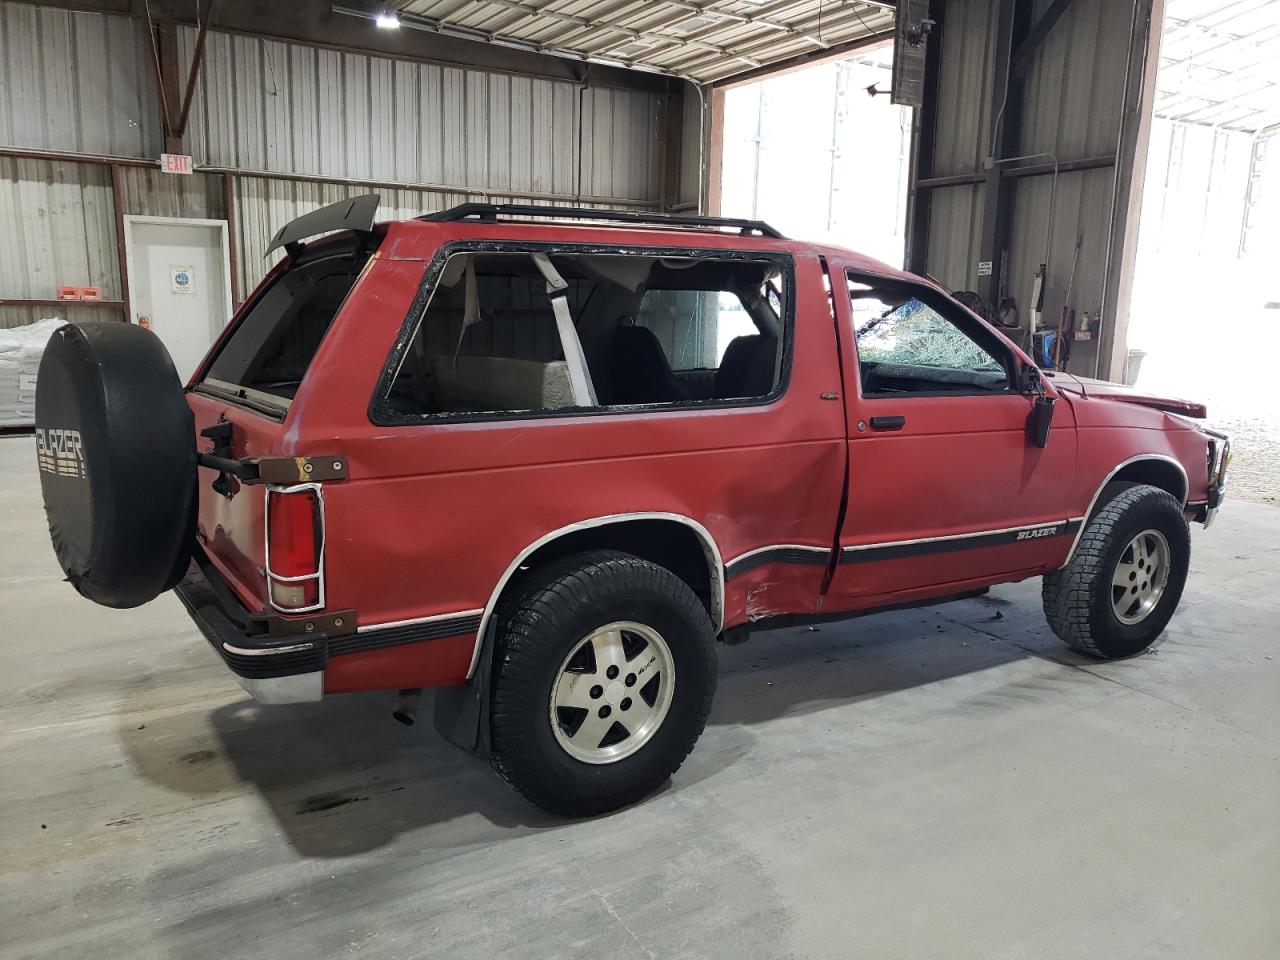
1122	585
604	677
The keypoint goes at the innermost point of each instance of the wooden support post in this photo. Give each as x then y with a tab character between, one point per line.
715	152
197	58
117	206
673	148
170	90
233	246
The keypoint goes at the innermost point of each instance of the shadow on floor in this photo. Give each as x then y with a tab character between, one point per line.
341	777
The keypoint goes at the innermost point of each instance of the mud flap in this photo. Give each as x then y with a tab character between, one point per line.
460	714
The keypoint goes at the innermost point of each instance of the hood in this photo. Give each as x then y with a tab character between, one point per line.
1105	390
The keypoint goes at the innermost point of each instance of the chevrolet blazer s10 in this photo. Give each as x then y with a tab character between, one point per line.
542	459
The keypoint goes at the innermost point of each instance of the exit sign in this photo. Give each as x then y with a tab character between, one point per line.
175	163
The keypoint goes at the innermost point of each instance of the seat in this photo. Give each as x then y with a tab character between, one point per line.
466	383
639	371
746	369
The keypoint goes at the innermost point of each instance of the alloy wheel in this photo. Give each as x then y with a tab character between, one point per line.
1140	576
612	692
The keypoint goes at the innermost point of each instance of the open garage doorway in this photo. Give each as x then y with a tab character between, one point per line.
1205	318
819	156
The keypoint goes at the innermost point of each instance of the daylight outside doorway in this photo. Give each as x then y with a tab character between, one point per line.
1205	318
819	157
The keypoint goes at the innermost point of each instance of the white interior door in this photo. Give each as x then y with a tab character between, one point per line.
179	283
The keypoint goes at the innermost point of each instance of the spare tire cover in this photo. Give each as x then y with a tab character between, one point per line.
115	442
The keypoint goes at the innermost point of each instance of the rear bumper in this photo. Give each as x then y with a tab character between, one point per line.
273	669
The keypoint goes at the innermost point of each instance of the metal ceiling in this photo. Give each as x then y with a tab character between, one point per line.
697	40
1220	64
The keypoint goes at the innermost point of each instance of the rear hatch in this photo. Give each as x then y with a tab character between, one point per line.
241	398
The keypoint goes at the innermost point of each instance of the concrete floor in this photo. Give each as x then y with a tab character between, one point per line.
948	783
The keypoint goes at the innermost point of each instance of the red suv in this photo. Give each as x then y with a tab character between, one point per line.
544	464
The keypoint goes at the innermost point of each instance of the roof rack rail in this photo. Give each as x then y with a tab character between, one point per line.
490	212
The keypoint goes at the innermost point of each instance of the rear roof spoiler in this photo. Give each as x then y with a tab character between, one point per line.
354	214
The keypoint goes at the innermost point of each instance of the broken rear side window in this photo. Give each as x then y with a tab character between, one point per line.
268	354
527	332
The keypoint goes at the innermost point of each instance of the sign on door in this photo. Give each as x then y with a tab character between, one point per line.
180	279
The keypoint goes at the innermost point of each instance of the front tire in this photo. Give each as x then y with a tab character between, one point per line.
1122	585
604	677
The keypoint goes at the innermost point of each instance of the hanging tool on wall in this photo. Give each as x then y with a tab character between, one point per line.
1064	323
1037	307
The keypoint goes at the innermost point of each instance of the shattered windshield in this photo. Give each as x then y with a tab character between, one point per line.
912	332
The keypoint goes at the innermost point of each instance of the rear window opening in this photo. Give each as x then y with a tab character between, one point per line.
639	331
265	359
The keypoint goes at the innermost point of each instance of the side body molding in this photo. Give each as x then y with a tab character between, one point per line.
715	566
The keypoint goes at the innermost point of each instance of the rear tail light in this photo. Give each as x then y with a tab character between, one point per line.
295	548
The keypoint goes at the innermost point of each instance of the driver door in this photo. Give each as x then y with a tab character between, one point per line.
945	489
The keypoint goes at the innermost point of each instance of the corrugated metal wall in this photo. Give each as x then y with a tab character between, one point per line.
76	81
423	136
151	193
61	215
1081	209
955	232
63	211
1075	81
267	106
962	140
67	235
1073	94
1076	84
1072	99
963	135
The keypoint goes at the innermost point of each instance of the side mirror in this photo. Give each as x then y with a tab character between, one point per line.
1029	380
1040	419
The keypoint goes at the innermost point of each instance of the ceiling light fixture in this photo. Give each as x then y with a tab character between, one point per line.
387	20
633	49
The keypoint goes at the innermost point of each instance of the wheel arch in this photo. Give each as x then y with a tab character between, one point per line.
673	540
1157	469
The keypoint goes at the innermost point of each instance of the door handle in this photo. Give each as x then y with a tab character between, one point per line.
888	423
